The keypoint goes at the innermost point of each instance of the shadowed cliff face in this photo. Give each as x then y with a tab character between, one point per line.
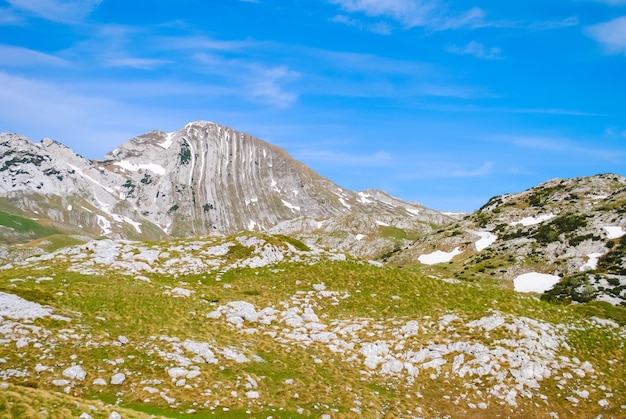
203	179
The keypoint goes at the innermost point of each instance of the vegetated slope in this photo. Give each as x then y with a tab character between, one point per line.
203	179
562	227
265	325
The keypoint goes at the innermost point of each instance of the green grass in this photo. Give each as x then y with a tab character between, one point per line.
112	305
25	226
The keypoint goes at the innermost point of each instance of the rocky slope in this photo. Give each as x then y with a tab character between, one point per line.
562	227
258	325
201	180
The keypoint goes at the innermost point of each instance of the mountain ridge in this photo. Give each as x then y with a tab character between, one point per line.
203	179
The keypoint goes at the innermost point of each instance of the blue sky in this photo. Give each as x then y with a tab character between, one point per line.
441	102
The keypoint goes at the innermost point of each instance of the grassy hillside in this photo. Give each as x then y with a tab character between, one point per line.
18	229
300	339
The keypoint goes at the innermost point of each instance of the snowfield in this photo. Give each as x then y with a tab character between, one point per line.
439	256
535	282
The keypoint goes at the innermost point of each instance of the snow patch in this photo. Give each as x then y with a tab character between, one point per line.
363	198
439	256
592	263
360	237
132	167
105	225
412	211
81	173
135	224
290	206
486	239
535	282
344	203
614	232
168	140
380	223
529	221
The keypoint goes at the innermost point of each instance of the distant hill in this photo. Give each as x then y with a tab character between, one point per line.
564	227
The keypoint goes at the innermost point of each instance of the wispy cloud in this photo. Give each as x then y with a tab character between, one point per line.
562	146
612	2
477	50
16	57
410	13
268	85
546	111
381	28
335	158
483	170
264	83
64	11
554	24
430	14
9	17
425	170
135	62
72	117
611	34
471	18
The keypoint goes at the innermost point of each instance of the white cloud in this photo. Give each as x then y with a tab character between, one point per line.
16	56
409	12
9	17
483	170
554	24
477	50
251	79
470	18
381	28
267	84
64	11
135	62
612	2
88	124
611	34
428	170
562	146
335	158
431	14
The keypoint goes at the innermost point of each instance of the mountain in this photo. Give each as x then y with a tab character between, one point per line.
129	288
204	179
562	228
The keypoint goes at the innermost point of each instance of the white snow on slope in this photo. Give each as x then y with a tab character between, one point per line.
168	141
592	263
290	206
529	221
344	203
535	282
105	225
363	198
89	178
614	232
412	211
439	257
131	167
486	239
360	237
380	223
135	224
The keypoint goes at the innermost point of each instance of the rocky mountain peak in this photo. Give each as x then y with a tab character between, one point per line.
203	179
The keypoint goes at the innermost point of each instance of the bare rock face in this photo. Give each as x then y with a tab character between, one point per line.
201	180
